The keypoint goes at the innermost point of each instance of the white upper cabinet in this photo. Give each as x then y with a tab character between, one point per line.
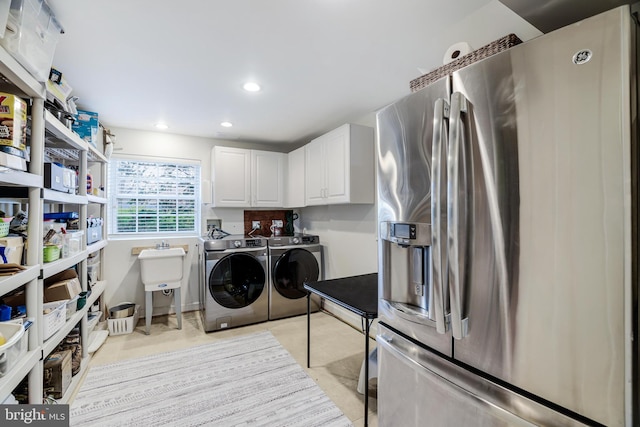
339	167
315	171
242	178
267	178
294	181
231	177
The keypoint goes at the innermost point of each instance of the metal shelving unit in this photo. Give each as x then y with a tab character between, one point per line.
15	79
49	345
49	138
11	283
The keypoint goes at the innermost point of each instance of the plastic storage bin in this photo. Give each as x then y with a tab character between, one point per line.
92	272
71	307
94	233
125	325
55	319
31	36
15	346
71	243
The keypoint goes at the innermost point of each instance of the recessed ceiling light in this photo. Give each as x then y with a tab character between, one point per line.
226	124
162	126
251	87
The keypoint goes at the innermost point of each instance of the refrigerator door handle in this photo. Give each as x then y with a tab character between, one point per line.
438	220
457	213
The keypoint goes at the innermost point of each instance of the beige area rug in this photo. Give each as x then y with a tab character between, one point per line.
245	381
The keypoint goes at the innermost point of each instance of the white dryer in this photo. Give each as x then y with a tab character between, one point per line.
233	281
293	260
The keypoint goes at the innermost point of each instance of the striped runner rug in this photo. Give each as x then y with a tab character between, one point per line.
245	381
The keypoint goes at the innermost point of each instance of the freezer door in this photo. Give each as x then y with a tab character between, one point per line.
410	262
546	275
419	388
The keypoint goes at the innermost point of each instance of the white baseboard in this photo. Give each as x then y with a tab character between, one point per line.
345	315
170	309
349	317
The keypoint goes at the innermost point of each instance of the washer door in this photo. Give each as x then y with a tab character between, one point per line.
237	280
291	270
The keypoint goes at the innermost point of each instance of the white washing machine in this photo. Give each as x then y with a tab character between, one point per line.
293	260
233	281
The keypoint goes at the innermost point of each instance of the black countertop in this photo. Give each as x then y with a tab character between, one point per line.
358	294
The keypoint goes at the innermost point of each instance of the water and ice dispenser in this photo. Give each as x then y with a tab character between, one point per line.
406	257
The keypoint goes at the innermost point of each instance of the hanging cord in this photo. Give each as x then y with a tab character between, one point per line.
219	231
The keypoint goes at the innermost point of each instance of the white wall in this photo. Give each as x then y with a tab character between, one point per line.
348	235
347	232
121	268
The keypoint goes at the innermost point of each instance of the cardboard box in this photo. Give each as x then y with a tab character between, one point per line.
67	274
60	89
11	250
14	300
57	373
86	126
65	290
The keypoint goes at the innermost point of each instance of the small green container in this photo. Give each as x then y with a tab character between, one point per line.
50	253
82	299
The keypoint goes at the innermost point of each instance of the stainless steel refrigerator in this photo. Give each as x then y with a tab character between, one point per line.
507	209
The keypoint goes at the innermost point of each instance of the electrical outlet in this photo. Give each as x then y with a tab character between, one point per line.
276	223
255	225
213	224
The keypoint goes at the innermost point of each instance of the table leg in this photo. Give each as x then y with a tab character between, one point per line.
308	329
366	373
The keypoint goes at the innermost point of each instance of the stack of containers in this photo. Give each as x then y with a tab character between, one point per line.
13	132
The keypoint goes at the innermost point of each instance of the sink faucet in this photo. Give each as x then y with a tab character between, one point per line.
163	245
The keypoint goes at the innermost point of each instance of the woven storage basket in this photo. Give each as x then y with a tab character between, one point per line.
484	52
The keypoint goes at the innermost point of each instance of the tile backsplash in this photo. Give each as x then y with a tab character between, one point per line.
265	218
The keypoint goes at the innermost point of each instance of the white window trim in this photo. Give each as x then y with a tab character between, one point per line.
113	205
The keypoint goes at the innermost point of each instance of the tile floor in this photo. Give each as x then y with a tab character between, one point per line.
337	351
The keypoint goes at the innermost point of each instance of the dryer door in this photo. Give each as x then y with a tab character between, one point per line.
292	270
237	280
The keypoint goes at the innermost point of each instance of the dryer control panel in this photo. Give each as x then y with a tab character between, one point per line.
254	243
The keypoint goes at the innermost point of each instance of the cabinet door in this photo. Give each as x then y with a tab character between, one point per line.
337	165
267	178
294	181
230	178
314	182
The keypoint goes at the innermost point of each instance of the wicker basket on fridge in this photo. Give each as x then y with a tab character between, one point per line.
492	48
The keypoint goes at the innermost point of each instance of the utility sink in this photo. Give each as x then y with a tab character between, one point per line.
161	268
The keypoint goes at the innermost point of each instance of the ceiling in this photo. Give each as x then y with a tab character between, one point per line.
549	15
321	63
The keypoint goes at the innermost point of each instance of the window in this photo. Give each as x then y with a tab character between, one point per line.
148	196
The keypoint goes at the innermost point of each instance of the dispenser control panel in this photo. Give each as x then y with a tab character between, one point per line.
406	234
403	231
